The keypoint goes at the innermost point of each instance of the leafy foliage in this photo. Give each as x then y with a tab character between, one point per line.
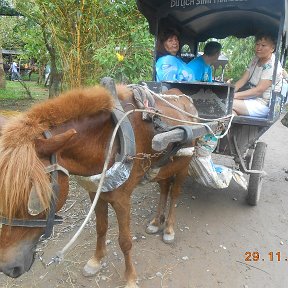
90	39
239	52
136	50
86	33
34	45
10	32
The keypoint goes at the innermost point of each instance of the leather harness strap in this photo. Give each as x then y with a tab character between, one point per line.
52	218
54	197
36	223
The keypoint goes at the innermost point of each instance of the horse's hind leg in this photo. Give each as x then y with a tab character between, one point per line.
122	209
156	224
169	234
93	265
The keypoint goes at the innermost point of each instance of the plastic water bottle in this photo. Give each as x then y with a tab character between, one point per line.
205	77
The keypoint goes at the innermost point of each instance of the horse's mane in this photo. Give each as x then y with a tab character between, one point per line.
20	166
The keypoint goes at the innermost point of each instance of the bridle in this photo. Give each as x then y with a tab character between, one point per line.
52	219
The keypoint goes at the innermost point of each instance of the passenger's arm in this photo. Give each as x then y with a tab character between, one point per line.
285	74
166	68
242	81
257	91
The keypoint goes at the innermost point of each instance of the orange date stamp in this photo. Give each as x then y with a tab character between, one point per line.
255	256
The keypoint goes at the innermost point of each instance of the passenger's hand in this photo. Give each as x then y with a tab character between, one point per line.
236	95
229	80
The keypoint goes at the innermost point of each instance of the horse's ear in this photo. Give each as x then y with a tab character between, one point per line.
46	147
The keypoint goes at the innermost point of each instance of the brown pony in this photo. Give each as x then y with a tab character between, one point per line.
81	125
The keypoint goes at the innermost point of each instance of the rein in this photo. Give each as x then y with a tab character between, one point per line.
52	219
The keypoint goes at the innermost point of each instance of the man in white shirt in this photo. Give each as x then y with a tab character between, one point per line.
14	70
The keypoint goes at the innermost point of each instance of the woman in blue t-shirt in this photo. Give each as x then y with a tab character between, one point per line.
169	66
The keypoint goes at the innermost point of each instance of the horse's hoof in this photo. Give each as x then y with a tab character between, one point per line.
152	229
91	268
168	238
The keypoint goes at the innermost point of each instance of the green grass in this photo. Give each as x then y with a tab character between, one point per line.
14	90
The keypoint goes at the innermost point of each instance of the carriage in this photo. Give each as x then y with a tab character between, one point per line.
201	20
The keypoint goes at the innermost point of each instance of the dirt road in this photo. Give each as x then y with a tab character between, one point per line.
216	231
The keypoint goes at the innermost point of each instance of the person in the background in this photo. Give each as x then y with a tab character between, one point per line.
47	72
201	66
169	66
255	98
14	70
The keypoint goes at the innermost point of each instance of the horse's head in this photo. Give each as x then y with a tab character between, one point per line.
27	194
27	173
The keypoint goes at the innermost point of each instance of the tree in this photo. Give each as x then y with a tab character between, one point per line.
32	11
10	32
82	36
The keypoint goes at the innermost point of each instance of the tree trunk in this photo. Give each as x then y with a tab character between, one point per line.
55	76
2	72
41	68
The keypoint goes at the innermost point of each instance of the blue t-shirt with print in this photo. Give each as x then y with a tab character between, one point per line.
172	68
201	70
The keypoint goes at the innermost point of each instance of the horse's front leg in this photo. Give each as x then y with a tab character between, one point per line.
122	209
157	222
101	210
169	234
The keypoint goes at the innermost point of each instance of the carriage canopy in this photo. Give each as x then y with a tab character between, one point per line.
199	20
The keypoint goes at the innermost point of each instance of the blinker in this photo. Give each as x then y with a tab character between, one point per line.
35	205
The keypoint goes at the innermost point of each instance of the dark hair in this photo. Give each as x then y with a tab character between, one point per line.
212	48
266	36
162	37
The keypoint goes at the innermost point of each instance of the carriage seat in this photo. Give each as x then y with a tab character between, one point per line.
276	105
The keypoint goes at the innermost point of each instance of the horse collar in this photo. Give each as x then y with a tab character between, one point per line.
121	169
